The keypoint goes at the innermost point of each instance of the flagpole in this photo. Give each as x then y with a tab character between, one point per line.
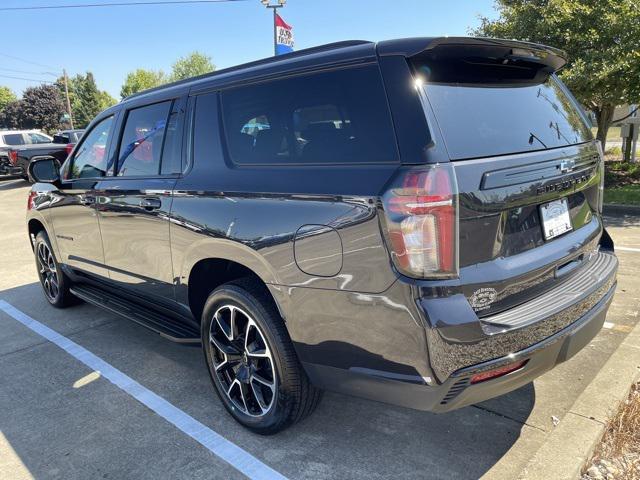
275	8
275	30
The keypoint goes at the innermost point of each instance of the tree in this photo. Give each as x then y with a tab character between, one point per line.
601	37
141	80
106	100
11	115
85	99
192	65
41	107
6	97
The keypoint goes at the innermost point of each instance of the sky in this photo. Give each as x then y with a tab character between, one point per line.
112	41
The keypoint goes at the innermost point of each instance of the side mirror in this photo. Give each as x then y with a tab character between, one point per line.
44	169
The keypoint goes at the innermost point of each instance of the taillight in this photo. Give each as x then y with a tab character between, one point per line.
32	196
422	222
69	148
13	157
497	372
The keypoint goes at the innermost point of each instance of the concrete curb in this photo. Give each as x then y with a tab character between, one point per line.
620	209
570	444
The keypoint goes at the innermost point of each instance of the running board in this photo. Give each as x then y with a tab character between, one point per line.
169	328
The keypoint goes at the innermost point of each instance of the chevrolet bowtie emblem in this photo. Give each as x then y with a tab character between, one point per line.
567	165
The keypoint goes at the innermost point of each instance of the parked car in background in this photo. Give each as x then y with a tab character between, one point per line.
20	157
69	138
16	138
416	221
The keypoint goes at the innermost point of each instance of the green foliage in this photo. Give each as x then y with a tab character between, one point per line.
106	100
41	107
617	151
142	79
601	37
192	65
6	97
85	99
628	195
11	115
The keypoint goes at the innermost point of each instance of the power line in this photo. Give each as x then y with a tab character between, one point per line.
118	4
26	79
27	61
30	72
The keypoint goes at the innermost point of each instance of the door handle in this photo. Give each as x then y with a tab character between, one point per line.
150	203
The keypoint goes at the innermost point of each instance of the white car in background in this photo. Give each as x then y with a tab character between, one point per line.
13	138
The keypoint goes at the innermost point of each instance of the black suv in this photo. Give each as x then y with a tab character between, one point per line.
415	221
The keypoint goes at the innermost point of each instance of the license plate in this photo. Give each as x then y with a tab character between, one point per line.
555	218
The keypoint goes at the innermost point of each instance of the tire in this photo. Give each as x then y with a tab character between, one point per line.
255	344
55	284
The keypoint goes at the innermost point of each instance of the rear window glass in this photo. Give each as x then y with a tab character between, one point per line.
13	139
479	120
325	118
142	140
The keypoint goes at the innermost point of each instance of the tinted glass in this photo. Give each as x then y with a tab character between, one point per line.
90	160
13	139
142	140
479	120
171	153
332	117
38	138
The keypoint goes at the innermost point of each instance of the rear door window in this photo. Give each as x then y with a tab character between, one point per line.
140	152
337	117
499	116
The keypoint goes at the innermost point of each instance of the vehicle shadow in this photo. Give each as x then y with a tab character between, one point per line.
346	437
624	220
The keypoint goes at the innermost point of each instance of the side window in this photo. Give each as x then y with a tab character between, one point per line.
140	151
91	158
171	153
13	139
329	117
38	138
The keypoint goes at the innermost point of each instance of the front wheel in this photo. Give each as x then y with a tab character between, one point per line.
53	280
251	359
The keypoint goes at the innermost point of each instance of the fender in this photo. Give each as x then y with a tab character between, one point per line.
217	248
40	212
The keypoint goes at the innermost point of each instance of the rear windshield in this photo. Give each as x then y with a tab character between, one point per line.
479	120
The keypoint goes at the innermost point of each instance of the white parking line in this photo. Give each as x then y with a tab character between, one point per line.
229	452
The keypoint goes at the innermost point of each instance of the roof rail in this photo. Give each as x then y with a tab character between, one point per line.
263	61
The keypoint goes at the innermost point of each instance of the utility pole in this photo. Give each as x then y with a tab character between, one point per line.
66	92
275	7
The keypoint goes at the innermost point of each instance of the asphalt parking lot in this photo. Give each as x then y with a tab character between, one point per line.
61	419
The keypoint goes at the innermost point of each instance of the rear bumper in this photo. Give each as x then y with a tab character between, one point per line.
457	339
457	391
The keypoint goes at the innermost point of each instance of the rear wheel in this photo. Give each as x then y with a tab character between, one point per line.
53	280
251	359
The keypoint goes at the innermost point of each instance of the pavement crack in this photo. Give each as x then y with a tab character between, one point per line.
587	418
23	349
493	412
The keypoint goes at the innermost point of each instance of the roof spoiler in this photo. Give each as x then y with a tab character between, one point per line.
550	59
